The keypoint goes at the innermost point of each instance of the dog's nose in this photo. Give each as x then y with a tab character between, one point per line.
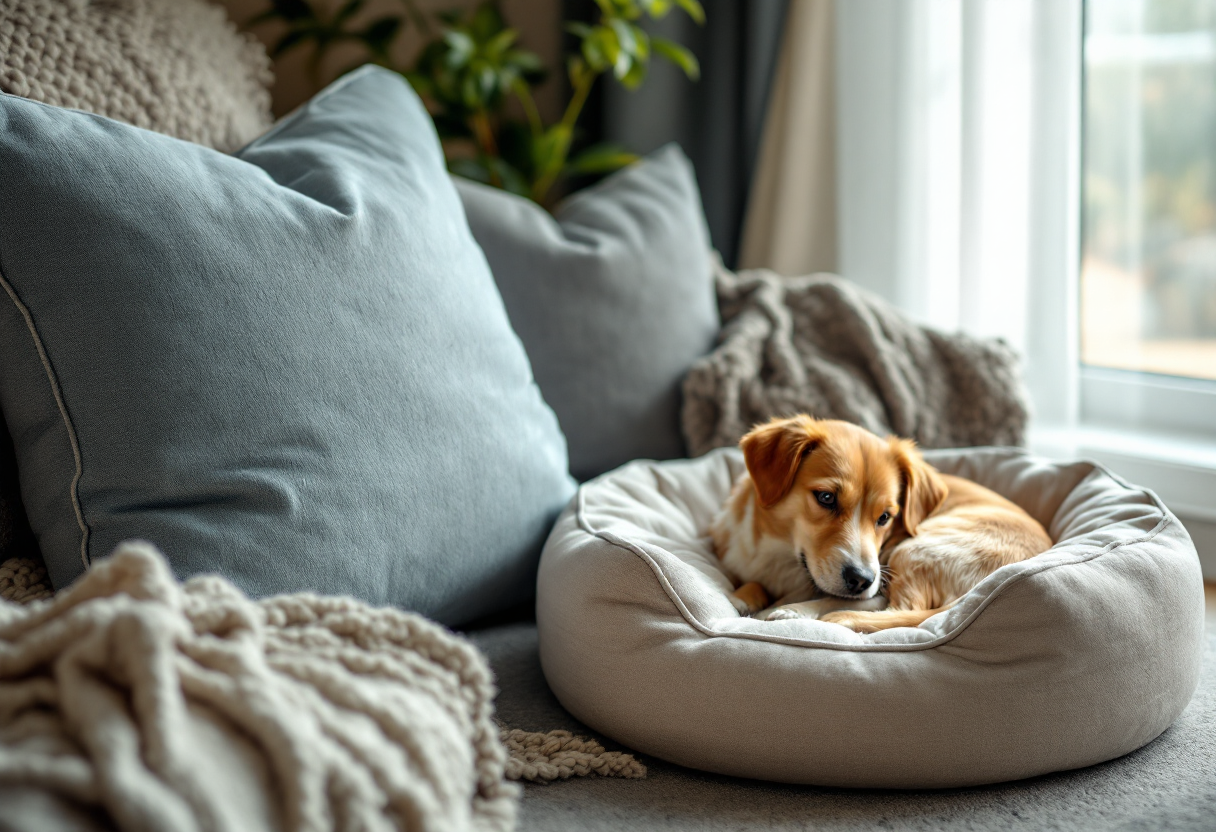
856	580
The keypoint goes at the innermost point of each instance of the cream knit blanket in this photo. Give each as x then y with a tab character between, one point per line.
194	708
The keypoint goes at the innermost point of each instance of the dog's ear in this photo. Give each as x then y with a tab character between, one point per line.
923	488
773	452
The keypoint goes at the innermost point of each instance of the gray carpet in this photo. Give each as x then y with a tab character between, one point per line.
1169	784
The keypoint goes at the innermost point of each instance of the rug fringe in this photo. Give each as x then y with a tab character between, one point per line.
559	755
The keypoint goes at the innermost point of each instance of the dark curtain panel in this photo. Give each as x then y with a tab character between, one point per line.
717	120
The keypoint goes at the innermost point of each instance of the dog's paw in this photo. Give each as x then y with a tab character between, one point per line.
741	606
749	598
779	614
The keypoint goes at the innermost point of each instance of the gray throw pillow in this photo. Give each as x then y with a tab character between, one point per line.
613	298
290	366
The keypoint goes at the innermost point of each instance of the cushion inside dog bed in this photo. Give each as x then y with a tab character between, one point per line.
1076	656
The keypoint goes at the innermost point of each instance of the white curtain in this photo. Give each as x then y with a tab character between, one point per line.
958	171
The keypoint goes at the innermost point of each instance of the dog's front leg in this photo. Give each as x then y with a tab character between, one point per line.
749	598
821	606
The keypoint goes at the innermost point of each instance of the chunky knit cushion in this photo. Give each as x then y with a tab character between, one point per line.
173	66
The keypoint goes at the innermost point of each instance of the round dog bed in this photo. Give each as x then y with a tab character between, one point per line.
1076	656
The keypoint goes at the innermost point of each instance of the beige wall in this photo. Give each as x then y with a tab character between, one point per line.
538	22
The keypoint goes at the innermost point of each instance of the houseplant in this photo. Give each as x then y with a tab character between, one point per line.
472	66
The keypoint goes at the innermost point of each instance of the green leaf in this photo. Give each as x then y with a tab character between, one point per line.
694	9
627	9
527	63
614	55
642	40
487	80
460	48
658	9
496	46
635	76
678	55
577	70
486	21
601	158
624	36
550	149
594	53
580	30
469	92
625	66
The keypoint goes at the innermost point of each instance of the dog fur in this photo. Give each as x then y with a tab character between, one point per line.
828	513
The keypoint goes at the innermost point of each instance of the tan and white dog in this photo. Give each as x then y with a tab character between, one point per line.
827	509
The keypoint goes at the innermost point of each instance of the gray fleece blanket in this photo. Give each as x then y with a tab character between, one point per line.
821	345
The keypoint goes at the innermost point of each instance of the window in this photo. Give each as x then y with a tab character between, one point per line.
1148	276
1081	137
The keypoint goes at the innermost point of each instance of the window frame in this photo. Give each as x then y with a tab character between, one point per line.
1115	398
1156	430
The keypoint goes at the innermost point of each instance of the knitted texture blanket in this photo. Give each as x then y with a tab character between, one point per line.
191	707
174	66
378	717
821	345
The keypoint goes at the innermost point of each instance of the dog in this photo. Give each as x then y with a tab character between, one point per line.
828	512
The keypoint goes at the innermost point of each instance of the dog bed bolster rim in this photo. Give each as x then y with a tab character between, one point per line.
1165	520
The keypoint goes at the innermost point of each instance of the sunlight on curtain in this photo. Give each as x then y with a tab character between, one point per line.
958	150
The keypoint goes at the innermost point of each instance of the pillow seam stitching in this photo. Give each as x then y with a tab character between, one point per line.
69	427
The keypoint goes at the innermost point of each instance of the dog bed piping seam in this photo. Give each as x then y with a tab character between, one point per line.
863	647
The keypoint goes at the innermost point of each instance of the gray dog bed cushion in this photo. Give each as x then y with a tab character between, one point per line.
1079	655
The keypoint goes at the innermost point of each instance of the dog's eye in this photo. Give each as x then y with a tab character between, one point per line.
884	519
826	499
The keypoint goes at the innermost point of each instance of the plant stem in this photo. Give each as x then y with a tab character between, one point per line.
483	134
582	88
524	94
575	108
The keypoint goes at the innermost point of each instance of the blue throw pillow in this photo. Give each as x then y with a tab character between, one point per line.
613	297
291	366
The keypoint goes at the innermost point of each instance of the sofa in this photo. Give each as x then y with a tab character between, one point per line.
559	430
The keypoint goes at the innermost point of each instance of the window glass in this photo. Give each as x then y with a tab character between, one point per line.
1148	280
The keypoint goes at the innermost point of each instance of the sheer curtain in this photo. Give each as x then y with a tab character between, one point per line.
958	171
